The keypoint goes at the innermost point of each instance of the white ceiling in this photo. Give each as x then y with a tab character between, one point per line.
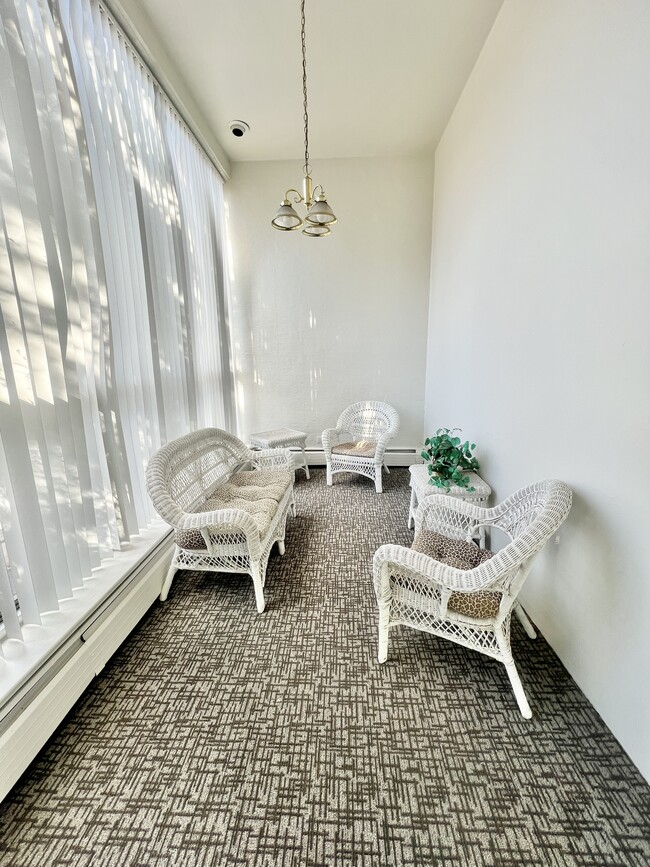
383	75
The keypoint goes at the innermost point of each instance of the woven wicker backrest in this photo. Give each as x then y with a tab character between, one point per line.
530	517
368	419
535	511
186	471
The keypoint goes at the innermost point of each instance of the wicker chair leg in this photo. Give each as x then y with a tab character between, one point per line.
518	690
164	593
384	616
386	468
382	653
329	475
525	622
378	486
281	546
411	519
513	674
259	588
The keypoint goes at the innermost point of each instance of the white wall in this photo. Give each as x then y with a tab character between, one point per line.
321	323
540	302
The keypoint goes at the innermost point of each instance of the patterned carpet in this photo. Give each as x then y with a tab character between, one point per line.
217	736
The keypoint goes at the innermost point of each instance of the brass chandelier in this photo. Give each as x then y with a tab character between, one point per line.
319	215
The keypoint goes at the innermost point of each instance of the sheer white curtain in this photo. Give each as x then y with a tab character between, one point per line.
113	315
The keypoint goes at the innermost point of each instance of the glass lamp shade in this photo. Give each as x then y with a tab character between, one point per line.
316	231
286	219
320	213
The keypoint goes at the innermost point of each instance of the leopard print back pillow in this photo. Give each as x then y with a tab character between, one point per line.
481	604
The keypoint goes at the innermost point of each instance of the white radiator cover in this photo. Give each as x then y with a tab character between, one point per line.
51	696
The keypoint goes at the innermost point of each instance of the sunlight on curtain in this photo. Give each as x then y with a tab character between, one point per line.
113	315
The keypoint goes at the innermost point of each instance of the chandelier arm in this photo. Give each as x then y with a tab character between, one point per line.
298	197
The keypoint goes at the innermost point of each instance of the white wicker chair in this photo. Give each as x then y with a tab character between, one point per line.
371	424
415	590
189	471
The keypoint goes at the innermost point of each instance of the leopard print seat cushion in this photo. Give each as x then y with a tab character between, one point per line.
361	449
257	492
482	604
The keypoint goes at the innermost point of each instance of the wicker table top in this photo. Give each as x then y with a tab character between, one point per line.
420	484
268	439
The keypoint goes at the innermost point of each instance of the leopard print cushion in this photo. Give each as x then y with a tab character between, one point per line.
361	449
453	552
257	492
189	540
482	604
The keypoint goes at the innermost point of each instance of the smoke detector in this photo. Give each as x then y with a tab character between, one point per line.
239	128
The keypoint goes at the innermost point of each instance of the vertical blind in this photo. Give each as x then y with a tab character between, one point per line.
113	314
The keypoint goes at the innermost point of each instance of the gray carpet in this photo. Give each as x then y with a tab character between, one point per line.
217	736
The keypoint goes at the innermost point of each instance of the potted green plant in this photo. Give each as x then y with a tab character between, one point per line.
448	460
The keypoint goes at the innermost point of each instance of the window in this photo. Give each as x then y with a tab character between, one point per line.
113	314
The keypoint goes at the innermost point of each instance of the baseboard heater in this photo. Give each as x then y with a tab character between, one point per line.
43	702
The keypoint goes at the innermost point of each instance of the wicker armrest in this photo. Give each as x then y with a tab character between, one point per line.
382	442
450	516
330	437
223	522
424	570
426	567
237	518
280	459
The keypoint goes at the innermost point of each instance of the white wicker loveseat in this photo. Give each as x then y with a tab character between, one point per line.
471	606
371	424
228	504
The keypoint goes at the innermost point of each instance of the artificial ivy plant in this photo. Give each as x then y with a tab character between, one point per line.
448	460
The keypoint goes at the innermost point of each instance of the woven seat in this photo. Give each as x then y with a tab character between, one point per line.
226	518
256	485
449	587
372	424
253	499
362	449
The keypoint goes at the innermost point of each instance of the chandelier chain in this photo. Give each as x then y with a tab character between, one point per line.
304	84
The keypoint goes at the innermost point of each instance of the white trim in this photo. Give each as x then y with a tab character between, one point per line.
24	659
138	31
45	700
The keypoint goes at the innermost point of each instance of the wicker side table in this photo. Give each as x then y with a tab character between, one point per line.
283	437
421	488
